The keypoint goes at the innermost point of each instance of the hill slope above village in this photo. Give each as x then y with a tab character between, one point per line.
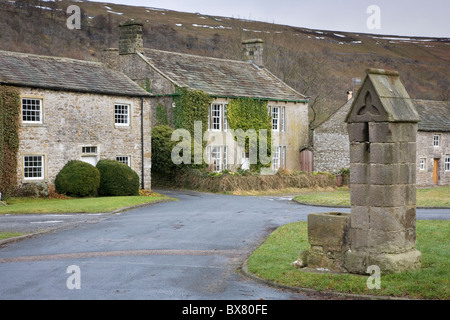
318	63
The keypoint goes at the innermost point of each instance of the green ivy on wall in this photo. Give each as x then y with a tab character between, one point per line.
191	106
247	114
161	115
9	137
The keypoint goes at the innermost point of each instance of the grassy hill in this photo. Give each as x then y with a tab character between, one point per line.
317	63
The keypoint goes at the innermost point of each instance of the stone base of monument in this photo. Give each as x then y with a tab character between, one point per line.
359	262
328	237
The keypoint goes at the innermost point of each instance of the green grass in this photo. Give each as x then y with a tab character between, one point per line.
84	205
426	197
8	235
272	261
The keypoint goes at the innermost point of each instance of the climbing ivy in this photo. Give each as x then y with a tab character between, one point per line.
192	106
9	137
247	114
161	115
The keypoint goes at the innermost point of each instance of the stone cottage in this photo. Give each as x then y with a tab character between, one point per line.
331	144
76	110
163	72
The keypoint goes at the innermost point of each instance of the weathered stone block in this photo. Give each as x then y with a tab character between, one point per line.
396	263
359	152
358	238
329	240
384	174
359	194
328	230
383	153
387	218
359	173
410	217
387	195
358	132
406	174
386	241
392	132
406	152
356	261
359	218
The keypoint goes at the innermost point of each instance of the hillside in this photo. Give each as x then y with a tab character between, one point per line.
317	63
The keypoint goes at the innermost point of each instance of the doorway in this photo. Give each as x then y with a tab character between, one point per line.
435	171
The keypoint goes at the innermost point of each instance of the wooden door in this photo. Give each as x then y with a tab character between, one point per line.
435	171
306	161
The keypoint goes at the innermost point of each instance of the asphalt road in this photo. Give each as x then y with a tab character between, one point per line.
190	249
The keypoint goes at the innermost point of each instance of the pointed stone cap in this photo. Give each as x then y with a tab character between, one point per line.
382	98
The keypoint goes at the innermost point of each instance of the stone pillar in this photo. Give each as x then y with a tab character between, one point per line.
382	127
130	38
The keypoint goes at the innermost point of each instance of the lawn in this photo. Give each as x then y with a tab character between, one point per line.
426	197
78	205
272	261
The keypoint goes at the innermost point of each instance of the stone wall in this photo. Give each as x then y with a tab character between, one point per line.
75	120
331	145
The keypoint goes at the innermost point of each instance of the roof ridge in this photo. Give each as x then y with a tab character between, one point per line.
33	55
198	56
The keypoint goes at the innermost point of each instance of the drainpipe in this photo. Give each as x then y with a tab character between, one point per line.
142	144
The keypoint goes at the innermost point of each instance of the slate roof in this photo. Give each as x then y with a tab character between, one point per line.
27	70
221	77
435	115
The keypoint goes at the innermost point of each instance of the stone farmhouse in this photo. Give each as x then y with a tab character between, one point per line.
76	110
163	72
332	147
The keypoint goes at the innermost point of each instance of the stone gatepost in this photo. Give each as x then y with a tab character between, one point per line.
382	127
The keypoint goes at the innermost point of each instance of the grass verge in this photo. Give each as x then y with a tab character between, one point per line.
272	261
426	197
8	235
83	205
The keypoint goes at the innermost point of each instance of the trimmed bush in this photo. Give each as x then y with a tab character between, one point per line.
117	179
78	179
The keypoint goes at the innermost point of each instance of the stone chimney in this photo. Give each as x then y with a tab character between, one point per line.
254	51
130	40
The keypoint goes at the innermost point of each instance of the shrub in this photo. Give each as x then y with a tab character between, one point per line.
162	145
78	179
35	190
117	179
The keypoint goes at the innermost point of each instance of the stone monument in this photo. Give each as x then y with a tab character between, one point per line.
381	230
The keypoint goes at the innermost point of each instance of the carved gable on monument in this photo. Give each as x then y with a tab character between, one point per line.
382	98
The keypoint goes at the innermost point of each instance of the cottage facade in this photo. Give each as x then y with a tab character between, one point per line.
331	144
162	72
76	110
